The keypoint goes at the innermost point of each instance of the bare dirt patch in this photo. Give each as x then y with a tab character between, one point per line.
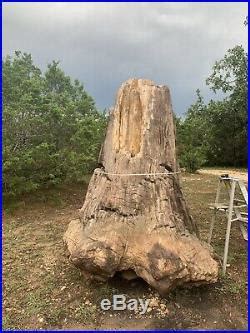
241	174
42	290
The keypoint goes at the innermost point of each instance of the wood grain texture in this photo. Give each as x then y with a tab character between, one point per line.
139	223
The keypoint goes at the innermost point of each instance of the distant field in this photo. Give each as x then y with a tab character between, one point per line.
42	290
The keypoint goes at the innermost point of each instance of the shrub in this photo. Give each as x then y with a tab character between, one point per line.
192	159
52	130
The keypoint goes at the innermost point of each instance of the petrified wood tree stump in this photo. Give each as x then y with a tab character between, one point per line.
139	222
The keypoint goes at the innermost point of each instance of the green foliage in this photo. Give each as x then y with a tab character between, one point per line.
192	159
190	137
52	131
230	73
216	133
229	117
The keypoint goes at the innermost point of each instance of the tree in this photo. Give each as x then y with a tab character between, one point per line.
191	136
52	129
230	76
216	133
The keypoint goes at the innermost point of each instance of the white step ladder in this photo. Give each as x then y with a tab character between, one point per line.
235	209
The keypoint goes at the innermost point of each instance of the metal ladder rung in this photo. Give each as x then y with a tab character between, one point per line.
243	219
224	206
239	200
236	219
231	210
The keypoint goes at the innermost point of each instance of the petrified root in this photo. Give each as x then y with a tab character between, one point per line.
139	222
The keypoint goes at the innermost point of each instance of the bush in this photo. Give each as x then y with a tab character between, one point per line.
192	159
52	130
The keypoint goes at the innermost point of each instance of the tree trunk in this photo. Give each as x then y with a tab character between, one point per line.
139	222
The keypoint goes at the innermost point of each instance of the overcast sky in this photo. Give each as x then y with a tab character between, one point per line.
102	45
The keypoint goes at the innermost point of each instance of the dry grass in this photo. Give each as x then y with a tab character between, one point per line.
42	290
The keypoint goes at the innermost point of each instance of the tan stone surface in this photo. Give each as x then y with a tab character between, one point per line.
139	223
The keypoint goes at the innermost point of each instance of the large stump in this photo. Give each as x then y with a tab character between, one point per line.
139	223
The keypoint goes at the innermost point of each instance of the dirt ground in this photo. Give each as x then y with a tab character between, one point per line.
237	173
42	290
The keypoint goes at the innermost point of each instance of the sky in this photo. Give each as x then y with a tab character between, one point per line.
104	44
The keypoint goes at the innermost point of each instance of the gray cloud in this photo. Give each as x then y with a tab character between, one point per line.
103	44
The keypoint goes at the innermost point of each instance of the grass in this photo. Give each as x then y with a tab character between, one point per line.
42	290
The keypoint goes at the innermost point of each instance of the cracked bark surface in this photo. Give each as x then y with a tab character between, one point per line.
139	223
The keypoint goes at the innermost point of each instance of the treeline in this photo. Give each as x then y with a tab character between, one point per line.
52	131
215	134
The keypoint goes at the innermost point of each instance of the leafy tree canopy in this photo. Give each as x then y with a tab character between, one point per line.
52	130
216	133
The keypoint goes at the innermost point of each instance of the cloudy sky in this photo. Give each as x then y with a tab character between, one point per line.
102	45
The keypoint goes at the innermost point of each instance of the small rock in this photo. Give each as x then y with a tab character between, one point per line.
154	302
